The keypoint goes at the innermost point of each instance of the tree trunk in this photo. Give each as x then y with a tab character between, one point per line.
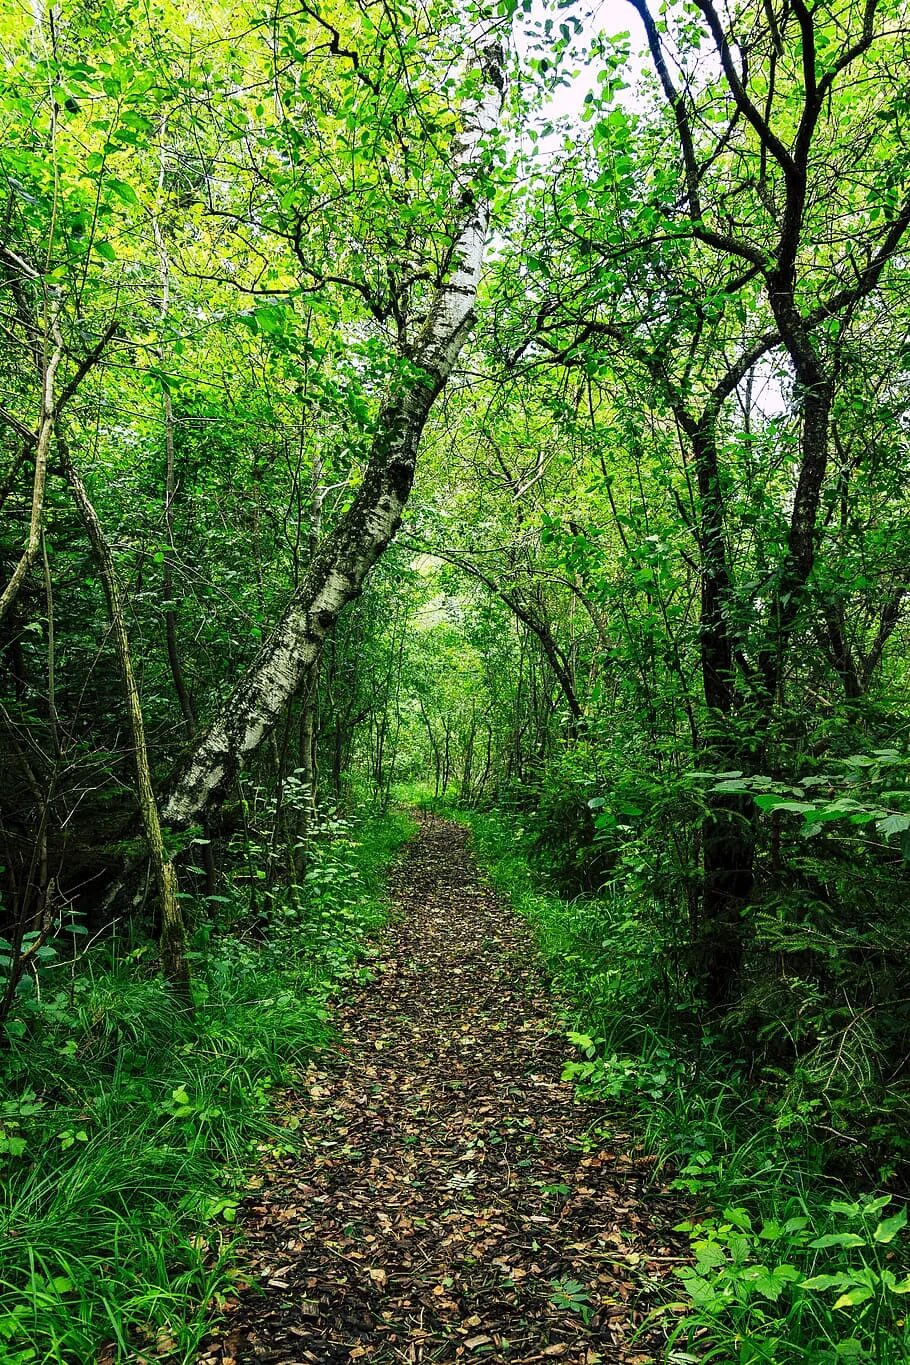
728	857
42	444
174	964
338	571
728	833
308	733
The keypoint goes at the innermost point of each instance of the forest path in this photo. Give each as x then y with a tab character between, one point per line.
454	1203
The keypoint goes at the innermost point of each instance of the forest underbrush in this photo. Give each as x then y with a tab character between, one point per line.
794	1259
128	1128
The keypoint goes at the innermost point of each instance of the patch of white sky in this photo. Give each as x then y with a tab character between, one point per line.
609	18
580	67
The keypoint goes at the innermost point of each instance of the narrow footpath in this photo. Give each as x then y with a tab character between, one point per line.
455	1201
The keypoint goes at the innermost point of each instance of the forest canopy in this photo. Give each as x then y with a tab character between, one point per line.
477	404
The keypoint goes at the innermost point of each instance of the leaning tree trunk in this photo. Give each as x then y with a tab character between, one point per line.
338	571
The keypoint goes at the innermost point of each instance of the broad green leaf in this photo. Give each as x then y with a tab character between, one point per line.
122	190
853	1297
888	1228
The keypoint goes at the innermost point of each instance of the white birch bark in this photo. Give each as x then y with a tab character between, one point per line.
337	573
42	445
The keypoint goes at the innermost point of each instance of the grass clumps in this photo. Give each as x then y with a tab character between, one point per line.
792	1263
127	1129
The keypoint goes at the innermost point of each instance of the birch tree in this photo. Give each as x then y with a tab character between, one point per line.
429	340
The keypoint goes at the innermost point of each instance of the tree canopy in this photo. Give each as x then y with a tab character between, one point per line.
458	401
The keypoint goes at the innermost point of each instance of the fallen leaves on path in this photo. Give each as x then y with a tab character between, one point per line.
454	1199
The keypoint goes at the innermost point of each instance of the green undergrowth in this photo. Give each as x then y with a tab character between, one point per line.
790	1267
127	1129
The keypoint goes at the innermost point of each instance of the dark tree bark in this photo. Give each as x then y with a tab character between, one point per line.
729	832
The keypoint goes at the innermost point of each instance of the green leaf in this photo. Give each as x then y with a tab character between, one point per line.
888	1228
122	190
739	1218
893	824
838	1239
271	317
825	1282
772	1283
853	1297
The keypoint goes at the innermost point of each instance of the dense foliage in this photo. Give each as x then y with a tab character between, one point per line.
646	600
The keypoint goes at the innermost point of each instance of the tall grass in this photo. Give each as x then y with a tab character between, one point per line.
789	1266
127	1131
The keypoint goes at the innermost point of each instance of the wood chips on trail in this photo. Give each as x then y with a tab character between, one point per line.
454	1200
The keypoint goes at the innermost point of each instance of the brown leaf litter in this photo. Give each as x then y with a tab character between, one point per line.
454	1200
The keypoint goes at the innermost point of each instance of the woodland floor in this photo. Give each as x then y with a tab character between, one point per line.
454	1200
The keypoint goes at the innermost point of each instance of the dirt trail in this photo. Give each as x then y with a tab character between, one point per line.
454	1204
